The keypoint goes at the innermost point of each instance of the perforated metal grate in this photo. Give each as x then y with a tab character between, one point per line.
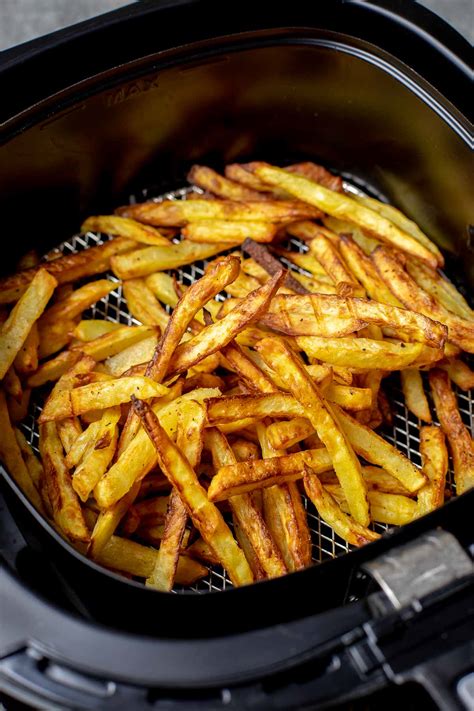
404	433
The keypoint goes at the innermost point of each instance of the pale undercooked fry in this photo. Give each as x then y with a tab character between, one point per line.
97	396
342	206
206	517
143	305
345	527
325	422
342	228
66	268
175	213
65	505
327	315
124	227
434	456
10	455
460	330
414	394
99	455
460	441
24	314
232	232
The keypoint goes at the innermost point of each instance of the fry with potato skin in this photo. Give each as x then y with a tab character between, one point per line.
434	456
440	289
460	441
25	313
206	517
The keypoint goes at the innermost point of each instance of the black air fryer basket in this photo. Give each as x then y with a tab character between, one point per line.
118	108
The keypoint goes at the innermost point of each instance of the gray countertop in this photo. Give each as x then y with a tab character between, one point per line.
22	20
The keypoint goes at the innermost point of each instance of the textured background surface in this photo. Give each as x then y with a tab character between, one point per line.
21	20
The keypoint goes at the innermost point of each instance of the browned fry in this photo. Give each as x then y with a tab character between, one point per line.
366	272
434	456
286	433
200	550
440	289
244	450
27	260
318	173
12	384
324	420
414	394
19	410
143	305
214	337
111	343
10	455
26	360
460	330
253	376
261	473
247	516
459	372
271	265
124	227
460	441
327	315
54	368
230	231
206	517
75	303
69	267
304	260
209	180
177	213
58	405
377	479
330	512
64	502
239	174
203	380
329	258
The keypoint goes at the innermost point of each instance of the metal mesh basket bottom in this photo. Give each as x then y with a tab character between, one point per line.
404	433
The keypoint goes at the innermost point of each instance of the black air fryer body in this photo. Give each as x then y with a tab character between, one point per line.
376	91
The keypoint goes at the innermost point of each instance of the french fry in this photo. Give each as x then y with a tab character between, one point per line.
325	422
84	441
231	232
460	330
10	455
414	394
440	289
460	441
143	305
377	479
58	404
111	343
54	368
459	372
33	464
239	174
24	314
200	550
65	505
95	462
376	450
67	268
74	304
12	384
347	229
318	173
177	213
108	521
237	360
246	476
329	316
304	260
366	272
28	260
54	336
342	206
393	509
18	410
434	456
134	355
162	286
209	180
285	433
124	227
244	450
26	360
206	517
91	329
102	395
247	516
345	526
69	430
271	265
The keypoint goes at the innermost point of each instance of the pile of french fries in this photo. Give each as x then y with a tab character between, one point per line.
190	438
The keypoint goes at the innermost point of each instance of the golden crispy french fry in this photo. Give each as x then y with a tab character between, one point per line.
10	455
206	517
345	207
69	267
365	353
393	509
18	410
162	286
231	232
177	213
151	259
64	503
239	174
236	359
74	304
54	336
318	173
460	373
124	227
440	289
244	450
325	422
108	520
211	181
135	559
328	256
402	221
54	368
460	441
143	305
33	464
200	550
460	330
304	260
345	527
434	457
111	343
12	384
102	395
242	285
286	433
414	394
247	516
376	450
100	453
377	479
261	473
24	314
327	315
26	360
214	337
134	355
342	228
69	430
84	441
94	328
139	457
58	404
